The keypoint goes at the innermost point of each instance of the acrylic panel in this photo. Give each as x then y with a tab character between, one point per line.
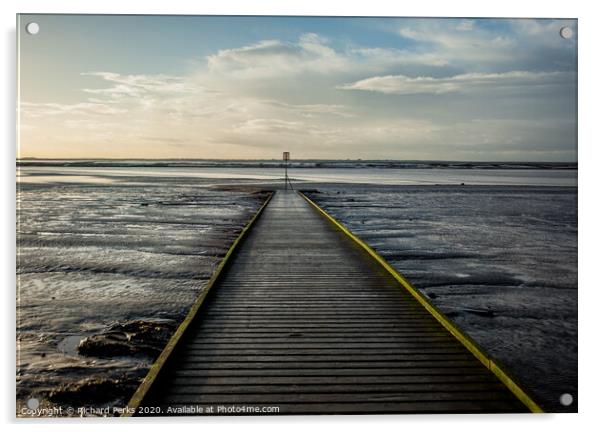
261	215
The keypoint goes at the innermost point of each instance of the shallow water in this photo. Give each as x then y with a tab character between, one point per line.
381	176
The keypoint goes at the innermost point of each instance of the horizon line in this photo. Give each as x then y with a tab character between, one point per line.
291	160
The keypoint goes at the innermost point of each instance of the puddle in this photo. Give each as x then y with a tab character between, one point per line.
69	344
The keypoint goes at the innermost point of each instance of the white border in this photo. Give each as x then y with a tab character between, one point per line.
589	196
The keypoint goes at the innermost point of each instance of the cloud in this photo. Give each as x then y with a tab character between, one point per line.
491	45
251	100
309	55
404	85
273	58
90	108
312	110
451	35
369	140
269	126
139	85
381	58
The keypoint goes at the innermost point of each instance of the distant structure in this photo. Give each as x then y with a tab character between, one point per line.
286	156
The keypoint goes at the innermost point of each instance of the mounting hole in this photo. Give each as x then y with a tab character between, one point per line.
566	399
33	28
33	404
566	33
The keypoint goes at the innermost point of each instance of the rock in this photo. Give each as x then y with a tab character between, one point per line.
106	345
137	337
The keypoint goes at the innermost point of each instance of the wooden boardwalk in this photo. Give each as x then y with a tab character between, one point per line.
303	319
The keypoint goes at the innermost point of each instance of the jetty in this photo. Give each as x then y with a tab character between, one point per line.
302	317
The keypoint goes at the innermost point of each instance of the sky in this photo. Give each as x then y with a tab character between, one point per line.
157	87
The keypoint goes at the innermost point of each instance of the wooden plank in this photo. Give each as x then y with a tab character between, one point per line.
312	326
326	388
299	398
192	363
262	334
292	321
391	372
325	346
304	320
245	331
344	351
421	380
320	339
195	357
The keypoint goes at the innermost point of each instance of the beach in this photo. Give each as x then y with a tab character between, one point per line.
110	258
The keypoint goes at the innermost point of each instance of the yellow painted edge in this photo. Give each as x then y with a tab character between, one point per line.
155	369
466	340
